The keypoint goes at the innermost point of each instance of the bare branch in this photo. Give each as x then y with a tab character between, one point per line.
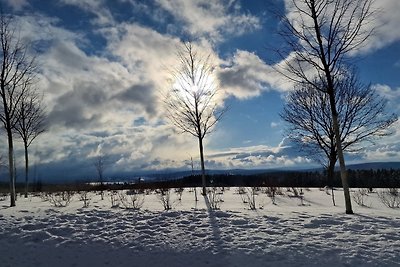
191	103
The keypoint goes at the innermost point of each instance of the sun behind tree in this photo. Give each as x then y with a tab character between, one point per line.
192	100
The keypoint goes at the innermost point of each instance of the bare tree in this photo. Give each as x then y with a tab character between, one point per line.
320	37
30	124
100	165
362	117
16	76
191	102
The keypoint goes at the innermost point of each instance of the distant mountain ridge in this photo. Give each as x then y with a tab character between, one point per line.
176	174
168	174
374	165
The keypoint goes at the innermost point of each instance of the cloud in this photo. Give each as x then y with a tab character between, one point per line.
284	155
391	94
79	87
144	51
139	94
245	75
41	31
17	5
386	23
388	150
211	19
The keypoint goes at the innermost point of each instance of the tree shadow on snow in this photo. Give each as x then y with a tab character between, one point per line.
216	231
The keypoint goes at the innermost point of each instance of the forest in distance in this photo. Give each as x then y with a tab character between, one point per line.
358	178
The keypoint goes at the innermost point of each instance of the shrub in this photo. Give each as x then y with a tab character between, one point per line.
390	197
214	198
164	196
114	199
194	190
179	192
271	193
132	199
359	196
44	196
60	199
84	197
249	197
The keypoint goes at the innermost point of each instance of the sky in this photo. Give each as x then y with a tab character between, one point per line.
104	63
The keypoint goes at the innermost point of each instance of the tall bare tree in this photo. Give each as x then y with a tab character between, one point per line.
16	76
320	37
362	118
191	101
31	123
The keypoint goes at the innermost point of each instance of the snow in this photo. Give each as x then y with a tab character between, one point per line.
290	233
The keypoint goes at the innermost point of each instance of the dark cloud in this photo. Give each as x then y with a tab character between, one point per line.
72	108
72	116
141	94
239	77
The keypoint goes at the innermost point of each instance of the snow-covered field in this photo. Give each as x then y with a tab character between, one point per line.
35	233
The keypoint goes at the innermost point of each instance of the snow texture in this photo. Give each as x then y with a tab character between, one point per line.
290	233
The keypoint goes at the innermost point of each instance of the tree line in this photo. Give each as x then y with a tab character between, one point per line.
381	178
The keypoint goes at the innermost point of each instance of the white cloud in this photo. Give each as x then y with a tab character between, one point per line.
261	156
41	30
387	150
211	19
386	23
392	94
245	75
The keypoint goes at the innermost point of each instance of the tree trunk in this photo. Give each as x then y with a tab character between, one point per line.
335	124
343	171
331	175
331	92
26	168
11	165
203	171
